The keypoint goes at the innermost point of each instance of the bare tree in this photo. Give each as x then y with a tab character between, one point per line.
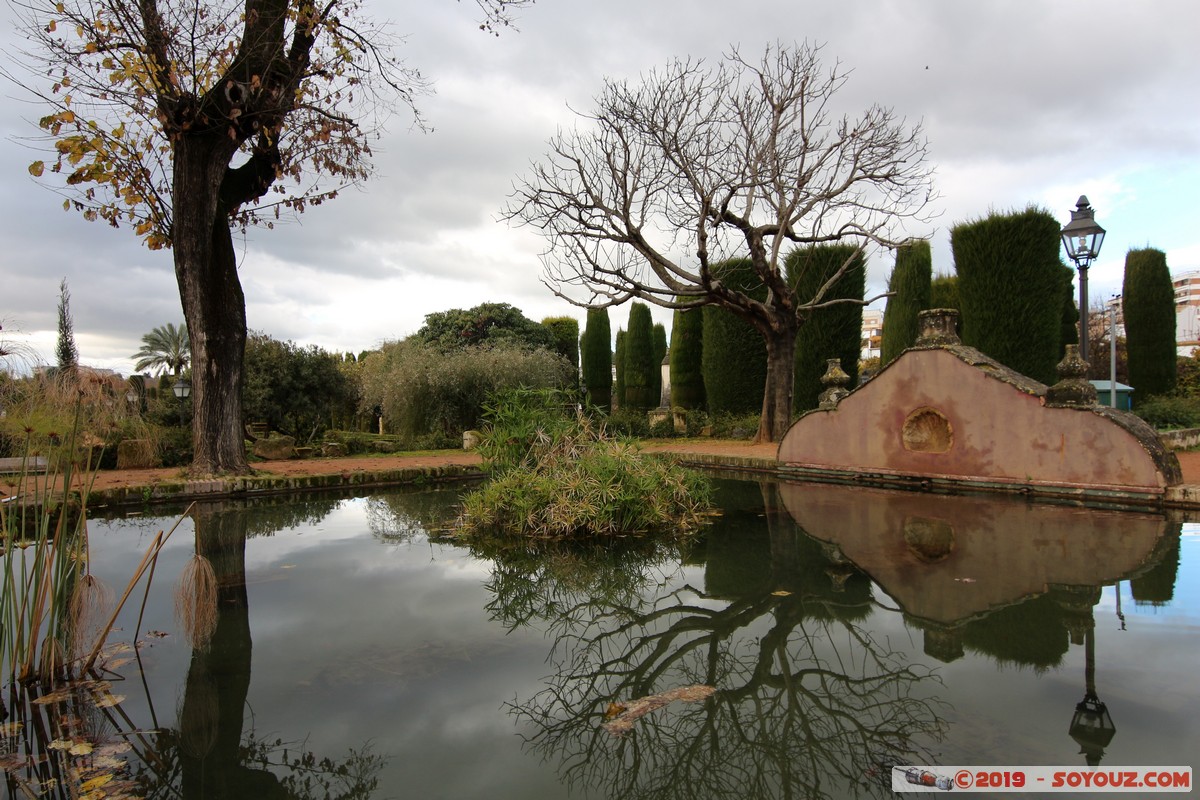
184	120
698	165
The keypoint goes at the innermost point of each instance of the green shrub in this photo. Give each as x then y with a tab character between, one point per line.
1148	303
1011	289
910	281
597	359
734	426
558	475
831	332
687	352
640	367
1170	411
424	389
628	422
734	355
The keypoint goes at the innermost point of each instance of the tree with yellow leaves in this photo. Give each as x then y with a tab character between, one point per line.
188	120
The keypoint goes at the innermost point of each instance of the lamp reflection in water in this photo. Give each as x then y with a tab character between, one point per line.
1091	726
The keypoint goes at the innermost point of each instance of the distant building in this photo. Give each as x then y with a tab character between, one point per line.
872	333
1187	311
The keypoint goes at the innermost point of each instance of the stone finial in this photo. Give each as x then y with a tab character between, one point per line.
835	380
937	327
1073	389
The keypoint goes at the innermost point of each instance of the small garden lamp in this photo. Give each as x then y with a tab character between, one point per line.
1082	238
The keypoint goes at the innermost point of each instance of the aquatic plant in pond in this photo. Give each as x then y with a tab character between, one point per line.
556	473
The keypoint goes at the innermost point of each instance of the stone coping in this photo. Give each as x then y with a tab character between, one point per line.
1184	497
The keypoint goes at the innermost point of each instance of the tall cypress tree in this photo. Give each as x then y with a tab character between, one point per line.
67	353
831	332
640	368
596	356
687	348
1010	286
734	355
618	397
659	339
1148	304
910	284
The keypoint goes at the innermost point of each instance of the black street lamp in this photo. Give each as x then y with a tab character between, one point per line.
1082	237
182	390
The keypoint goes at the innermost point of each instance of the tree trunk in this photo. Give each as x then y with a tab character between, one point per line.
777	392
213	304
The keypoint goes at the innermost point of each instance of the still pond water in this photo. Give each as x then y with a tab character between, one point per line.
844	630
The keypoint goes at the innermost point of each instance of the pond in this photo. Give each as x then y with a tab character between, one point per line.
844	631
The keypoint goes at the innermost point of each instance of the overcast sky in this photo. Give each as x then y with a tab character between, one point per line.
1022	102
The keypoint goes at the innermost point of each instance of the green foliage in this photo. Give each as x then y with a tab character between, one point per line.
1148	302
619	371
659	335
687	353
560	476
629	422
597	358
565	331
1069	321
910	282
734	355
1187	375
165	349
1166	412
299	391
640	368
734	426
68	354
943	293
832	332
487	323
1010	286
423	389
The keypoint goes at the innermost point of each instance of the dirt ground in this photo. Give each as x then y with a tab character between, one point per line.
1189	461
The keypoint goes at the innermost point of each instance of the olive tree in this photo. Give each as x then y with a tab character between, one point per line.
185	121
694	165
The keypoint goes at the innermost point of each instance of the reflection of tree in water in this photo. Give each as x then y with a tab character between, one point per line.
401	516
210	756
1156	585
807	703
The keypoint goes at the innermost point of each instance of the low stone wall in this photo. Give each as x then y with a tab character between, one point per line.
1184	439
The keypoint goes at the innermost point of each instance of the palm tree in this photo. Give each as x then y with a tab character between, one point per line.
165	348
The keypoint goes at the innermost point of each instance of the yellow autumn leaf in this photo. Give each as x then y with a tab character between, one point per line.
37	168
95	783
10	729
52	27
80	749
144	228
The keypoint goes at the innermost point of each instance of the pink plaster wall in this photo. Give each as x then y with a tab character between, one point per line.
1000	432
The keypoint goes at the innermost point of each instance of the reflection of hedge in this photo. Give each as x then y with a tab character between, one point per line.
833	332
734	357
1010	286
910	281
687	349
1156	586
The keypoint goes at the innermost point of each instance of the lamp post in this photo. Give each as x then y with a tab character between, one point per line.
1082	237
1112	351
182	390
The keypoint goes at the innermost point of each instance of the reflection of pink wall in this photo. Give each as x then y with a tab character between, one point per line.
1003	551
1001	433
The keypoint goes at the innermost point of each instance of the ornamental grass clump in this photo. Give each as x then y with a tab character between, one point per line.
556	474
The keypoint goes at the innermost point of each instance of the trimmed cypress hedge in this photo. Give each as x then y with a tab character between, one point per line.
687	349
596	355
619	361
734	355
1010	286
565	331
639	360
833	332
1148	303
910	280
659	340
